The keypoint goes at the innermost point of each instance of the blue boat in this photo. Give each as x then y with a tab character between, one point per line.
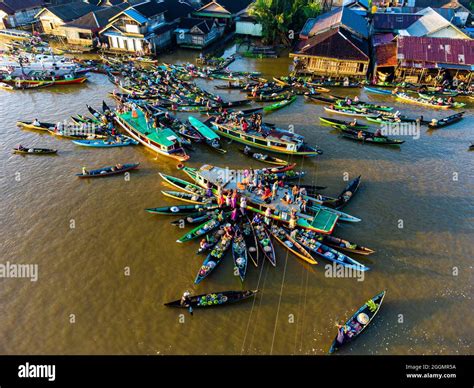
377	90
308	241
101	143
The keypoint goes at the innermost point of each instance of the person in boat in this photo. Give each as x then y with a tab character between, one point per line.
356	99
84	171
287	197
235	215
257	219
275	189
268	216
267	193
434	122
247	149
378	132
36	123
295	191
353	123
450	100
243	205
293	221
21	148
186	299
360	135
228	231
234	199
303	204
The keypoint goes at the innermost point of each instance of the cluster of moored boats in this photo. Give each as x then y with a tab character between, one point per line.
243	213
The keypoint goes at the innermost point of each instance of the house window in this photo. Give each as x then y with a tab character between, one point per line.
84	35
361	68
197	40
51	26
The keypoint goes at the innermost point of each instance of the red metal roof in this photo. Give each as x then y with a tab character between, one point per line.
439	50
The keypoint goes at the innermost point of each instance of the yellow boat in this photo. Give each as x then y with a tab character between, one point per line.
41	127
284	239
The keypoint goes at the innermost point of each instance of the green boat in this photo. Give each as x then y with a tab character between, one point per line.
430	97
201	230
212	138
341	123
181	184
279	104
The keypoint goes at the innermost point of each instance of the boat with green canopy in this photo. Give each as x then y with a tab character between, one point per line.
162	141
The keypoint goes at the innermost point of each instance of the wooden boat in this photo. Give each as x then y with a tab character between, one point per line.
265	243
41	85
201	230
163	141
65	81
212	139
41	127
187	197
284	238
420	101
328	253
345	195
5	86
369	137
214	299
240	112
341	123
108	171
338	243
272	139
358	322
318	98
34	151
213	259
446	121
349	112
377	90
279	104
250	240
264	157
471	147
359	105
183	184
239	254
100	143
176	210
429	98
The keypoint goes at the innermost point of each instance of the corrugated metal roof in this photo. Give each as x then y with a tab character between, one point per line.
334	43
430	22
393	21
136	16
442	50
337	17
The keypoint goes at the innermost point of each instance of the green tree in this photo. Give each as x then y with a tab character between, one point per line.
280	17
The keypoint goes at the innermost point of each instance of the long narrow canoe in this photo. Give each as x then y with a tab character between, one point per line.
328	253
340	123
213	259
455	104
346	194
377	90
338	243
421	101
182	184
265	243
99	143
108	171
239	254
284	238
369	137
265	158
214	299
34	151
250	240
200	230
358	322
177	210
279	104
349	112
187	197
41	127
435	124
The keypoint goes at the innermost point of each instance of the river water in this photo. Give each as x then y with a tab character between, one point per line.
106	266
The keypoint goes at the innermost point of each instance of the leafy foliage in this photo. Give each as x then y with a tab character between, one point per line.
281	20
